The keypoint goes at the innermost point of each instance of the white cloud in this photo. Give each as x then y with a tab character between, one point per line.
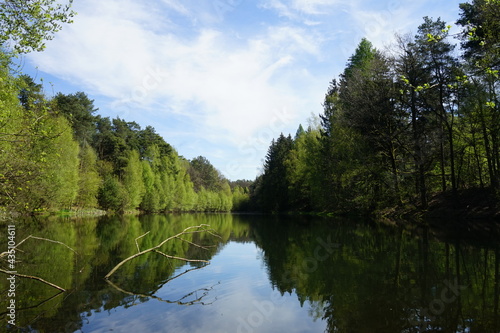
345	22
308	12
221	85
314	7
179	66
177	6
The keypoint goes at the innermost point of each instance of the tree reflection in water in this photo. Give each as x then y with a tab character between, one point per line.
367	278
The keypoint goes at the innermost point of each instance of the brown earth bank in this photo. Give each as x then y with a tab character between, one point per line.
473	213
474	203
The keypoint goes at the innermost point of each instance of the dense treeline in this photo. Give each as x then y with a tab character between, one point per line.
58	154
398	126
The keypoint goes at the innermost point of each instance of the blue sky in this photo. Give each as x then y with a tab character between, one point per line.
219	78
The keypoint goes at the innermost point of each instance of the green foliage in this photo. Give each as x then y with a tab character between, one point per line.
204	175
480	20
241	199
150	201
39	168
28	24
274	190
303	175
57	184
185	196
115	165
90	180
133	180
365	52
79	110
112	194
51	174
14	167
398	127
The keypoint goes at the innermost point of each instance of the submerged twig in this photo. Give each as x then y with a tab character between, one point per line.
179	258
190	230
137	244
180	301
37	305
33	278
3	254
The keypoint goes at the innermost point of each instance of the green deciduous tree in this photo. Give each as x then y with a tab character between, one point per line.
150	201
440	93
303	171
112	194
480	20
481	44
26	25
133	180
241	199
39	167
90	180
57	184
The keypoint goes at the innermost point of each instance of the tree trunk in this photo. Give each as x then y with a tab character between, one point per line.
418	156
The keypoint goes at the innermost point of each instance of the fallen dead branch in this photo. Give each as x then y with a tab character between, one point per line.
181	301
36	305
32	278
190	230
3	254
136	244
6	253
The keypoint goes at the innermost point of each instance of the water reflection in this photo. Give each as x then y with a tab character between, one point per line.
378	279
267	274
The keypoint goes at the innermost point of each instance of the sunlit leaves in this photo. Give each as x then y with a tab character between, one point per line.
26	25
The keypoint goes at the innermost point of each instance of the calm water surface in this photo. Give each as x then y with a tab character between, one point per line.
266	274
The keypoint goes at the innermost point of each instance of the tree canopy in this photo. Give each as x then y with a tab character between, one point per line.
399	127
57	153
26	25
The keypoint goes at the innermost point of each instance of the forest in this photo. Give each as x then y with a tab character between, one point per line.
57	154
400	126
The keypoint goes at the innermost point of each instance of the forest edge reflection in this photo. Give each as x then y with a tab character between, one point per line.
348	271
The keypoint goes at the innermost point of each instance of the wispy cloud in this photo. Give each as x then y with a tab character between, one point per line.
209	84
177	6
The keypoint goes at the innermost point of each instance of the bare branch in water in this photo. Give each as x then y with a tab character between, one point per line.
3	254
190	230
181	301
33	278
139	250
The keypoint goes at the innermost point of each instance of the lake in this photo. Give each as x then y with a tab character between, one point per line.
266	274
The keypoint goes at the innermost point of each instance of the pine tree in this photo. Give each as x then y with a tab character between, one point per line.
79	110
275	184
